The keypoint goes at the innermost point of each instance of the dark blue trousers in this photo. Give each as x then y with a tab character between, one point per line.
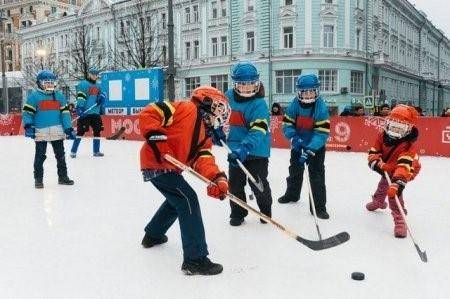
40	156
182	203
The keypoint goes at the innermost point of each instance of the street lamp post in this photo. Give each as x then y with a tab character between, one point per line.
170	69
41	53
3	64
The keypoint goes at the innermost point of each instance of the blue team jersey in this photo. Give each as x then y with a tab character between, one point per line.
249	125
44	109
311	124
87	93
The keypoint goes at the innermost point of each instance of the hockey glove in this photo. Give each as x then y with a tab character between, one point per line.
70	133
158	143
396	188
306	155
380	167
30	131
101	98
80	111
240	154
217	135
219	188
297	143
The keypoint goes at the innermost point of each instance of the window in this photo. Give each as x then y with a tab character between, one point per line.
187	50
250	5
8	28
187	15
288	37
329	1
250	41
53	9
288	2
163	21
31	8
214	46
285	81
328	80
214	9
220	82
191	84
8	13
328	36
196	49
21	10
223	5
195	10
358	39
356	82
224	45
98	33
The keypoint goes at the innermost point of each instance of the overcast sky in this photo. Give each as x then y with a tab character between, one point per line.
438	11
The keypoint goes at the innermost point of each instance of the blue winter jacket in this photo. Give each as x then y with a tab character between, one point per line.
249	125
44	109
87	93
310	123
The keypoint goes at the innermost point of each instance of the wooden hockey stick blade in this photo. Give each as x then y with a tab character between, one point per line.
422	254
325	243
117	134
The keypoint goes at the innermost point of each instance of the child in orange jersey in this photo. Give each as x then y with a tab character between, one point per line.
183	130
394	152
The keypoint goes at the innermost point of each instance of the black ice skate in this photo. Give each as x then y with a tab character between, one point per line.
202	266
323	215
285	199
38	184
99	154
65	181
236	221
148	241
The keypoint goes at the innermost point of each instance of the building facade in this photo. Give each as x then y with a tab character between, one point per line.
381	48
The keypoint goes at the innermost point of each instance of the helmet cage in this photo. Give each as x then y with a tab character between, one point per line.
247	89
47	84
396	128
301	93
216	113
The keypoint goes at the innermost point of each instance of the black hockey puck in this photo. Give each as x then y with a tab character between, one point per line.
348	147
358	276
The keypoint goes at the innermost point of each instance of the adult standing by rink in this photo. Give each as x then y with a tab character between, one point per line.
90	101
306	123
46	118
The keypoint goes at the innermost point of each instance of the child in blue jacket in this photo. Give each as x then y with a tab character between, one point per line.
306	123
249	139
46	118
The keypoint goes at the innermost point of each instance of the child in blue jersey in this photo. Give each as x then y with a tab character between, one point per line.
249	139
46	118
90	101
306	123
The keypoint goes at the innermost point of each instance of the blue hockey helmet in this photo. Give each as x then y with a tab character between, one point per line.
306	84
93	71
46	80
245	78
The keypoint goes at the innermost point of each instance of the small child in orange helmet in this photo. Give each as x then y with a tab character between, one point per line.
395	153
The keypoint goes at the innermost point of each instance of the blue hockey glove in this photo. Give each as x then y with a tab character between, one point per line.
80	111
240	154
217	135
101	98
70	133
297	143
30	131
304	158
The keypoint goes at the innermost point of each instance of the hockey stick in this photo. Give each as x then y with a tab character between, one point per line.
314	245
115	136
422	254
78	117
258	183
311	201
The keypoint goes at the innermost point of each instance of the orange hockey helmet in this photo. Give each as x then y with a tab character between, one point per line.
213	105
400	121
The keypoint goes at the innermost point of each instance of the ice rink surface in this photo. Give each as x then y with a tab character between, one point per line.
83	241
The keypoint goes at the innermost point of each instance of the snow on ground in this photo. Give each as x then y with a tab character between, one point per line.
83	241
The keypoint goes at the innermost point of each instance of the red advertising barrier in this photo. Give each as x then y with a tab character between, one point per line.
346	134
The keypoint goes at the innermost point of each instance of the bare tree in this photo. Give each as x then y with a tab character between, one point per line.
140	38
87	50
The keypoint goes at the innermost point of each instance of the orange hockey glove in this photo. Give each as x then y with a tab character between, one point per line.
220	187
396	188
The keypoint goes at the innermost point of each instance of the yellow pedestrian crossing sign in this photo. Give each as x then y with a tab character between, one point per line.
368	102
